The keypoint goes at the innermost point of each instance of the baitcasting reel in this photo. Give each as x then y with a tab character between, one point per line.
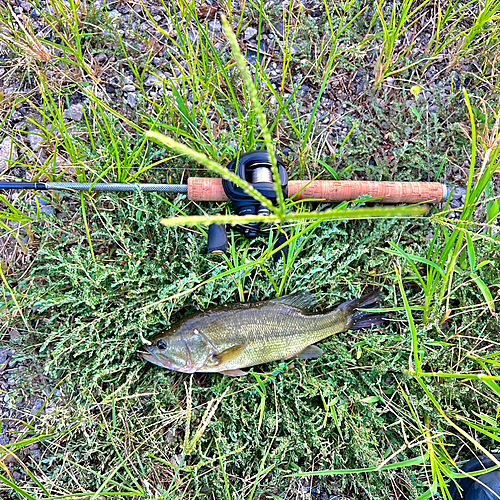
255	168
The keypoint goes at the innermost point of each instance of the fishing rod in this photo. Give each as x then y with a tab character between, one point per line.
255	168
211	189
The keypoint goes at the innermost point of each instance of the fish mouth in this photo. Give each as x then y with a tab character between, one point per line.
147	356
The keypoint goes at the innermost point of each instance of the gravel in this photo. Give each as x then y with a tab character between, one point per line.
155	79
131	100
101	57
459	193
74	112
8	153
47	210
4	355
35	138
251	56
250	33
278	27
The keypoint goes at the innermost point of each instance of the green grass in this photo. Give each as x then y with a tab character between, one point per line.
383	413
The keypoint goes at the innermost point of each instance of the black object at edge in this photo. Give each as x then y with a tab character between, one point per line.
471	489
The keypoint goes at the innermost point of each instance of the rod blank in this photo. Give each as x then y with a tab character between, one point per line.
103	186
118	186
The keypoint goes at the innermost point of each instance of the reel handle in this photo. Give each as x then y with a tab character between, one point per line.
217	239
210	189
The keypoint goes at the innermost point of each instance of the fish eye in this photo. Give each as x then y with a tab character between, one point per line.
161	344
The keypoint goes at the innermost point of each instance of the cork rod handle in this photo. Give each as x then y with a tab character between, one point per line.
210	189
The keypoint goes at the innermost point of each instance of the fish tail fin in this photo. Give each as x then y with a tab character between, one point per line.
358	316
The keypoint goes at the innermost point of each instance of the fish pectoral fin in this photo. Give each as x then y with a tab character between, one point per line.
302	300
310	352
233	373
229	354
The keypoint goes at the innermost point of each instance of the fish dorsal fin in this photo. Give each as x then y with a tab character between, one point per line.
310	352
233	373
302	300
229	354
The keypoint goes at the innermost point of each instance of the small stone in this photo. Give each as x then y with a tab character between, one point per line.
8	153
251	56
4	355
155	79
75	112
360	86
131	100
215	25
114	15
48	209
250	33
129	88
6	398
458	192
279	28
37	405
40	201
101	57
35	138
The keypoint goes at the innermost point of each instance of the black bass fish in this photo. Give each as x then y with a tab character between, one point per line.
235	336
